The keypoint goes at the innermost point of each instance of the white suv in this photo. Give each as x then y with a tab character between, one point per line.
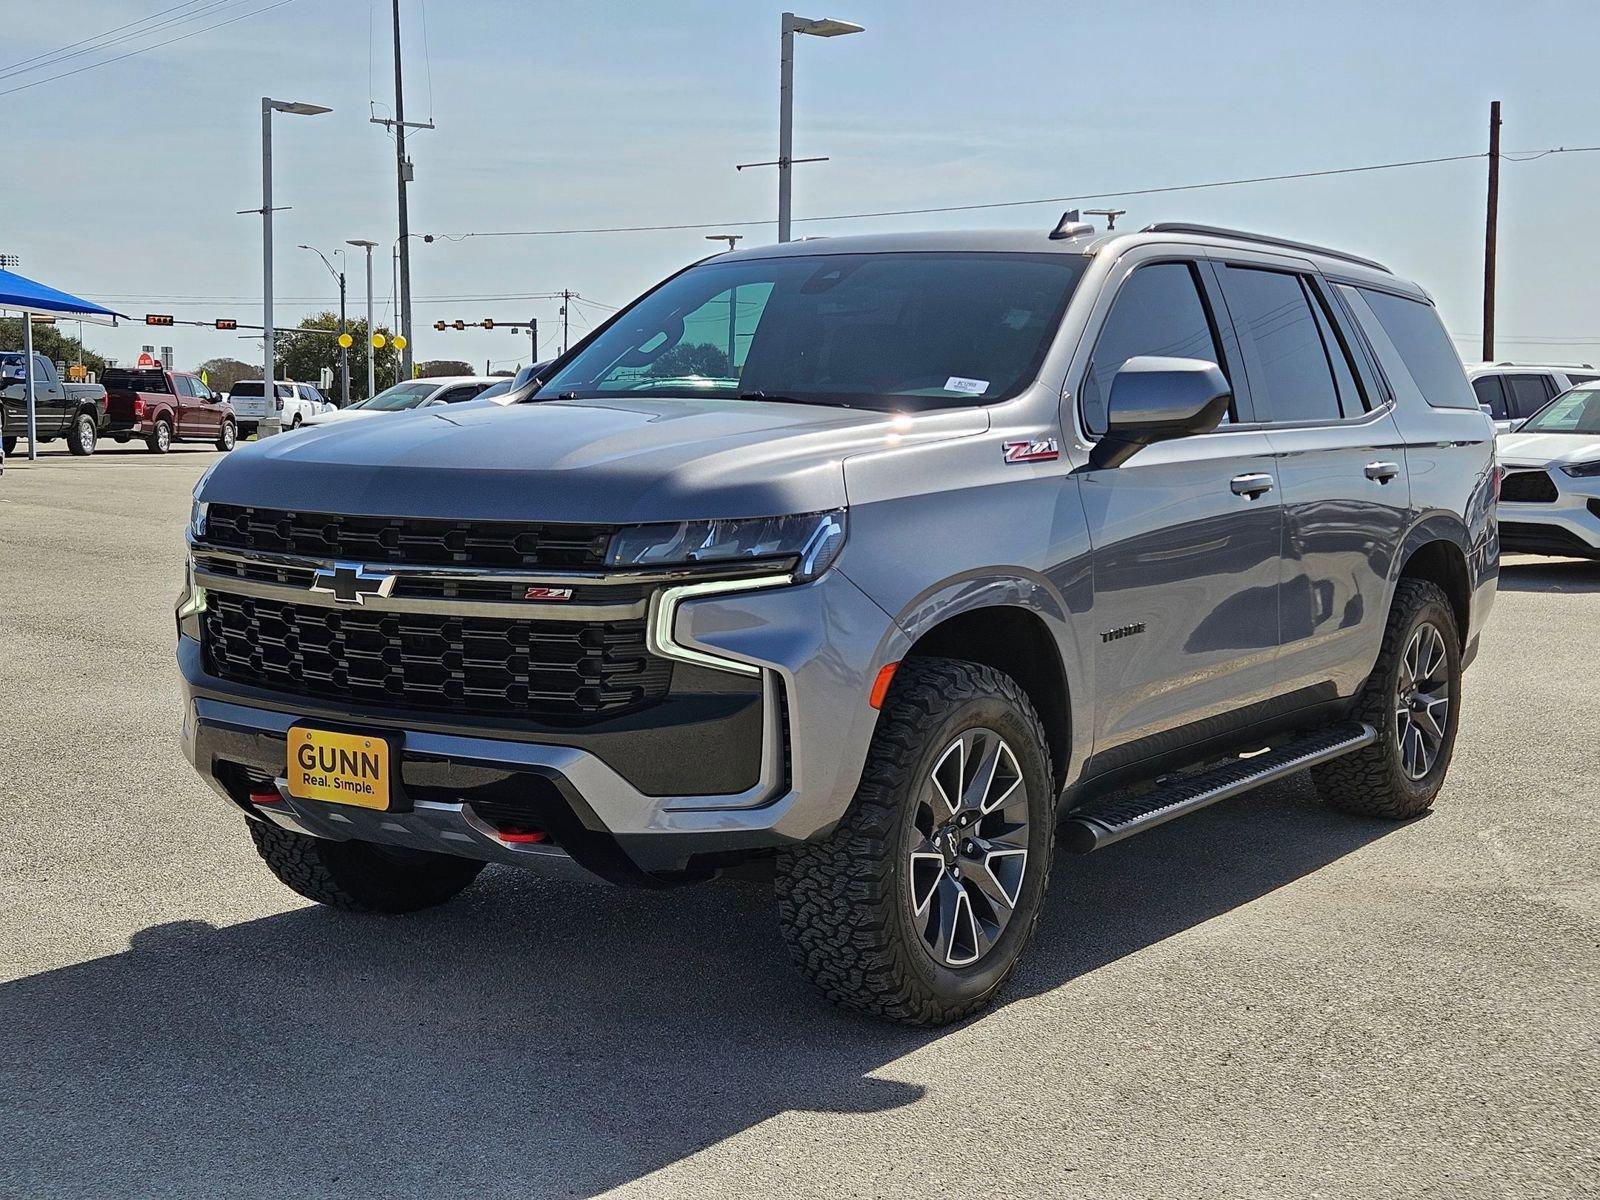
1513	392
296	403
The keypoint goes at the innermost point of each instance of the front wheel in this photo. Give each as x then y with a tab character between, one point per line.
919	905
361	876
227	437
160	439
82	436
1413	700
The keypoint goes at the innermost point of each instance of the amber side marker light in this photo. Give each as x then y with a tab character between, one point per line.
880	685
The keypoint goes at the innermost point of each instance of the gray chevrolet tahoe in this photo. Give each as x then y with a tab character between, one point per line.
882	564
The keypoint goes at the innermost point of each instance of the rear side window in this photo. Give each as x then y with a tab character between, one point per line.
1276	314
1528	393
1158	311
1419	337
1490	392
1574	378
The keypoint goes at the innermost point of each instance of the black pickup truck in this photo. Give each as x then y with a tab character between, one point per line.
75	411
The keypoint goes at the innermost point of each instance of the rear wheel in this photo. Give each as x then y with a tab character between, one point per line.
362	876
1413	700
82	436
227	437
919	905
160	439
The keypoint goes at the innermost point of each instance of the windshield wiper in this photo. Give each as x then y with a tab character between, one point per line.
774	398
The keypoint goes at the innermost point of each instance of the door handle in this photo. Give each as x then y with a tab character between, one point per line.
1250	485
1382	471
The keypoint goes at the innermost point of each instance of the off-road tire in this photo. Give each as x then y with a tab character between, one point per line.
842	901
227	436
358	877
1372	782
82	436
8	444
157	443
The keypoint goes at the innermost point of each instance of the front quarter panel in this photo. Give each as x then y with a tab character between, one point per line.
941	529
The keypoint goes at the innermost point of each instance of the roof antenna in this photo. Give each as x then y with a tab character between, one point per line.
1070	226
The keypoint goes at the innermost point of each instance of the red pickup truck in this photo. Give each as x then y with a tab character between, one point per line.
163	407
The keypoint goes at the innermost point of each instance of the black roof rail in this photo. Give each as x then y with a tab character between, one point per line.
1265	239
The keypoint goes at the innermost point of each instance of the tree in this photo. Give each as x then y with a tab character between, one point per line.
698	359
434	368
222	373
49	341
301	356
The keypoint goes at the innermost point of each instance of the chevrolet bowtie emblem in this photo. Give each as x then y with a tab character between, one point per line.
351	583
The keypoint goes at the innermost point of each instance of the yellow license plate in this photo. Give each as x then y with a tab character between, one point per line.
342	768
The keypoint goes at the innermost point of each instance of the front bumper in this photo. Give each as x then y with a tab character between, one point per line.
816	646
1569	525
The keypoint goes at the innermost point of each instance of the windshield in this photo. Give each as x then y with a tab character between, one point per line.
892	331
1576	411
495	389
401	395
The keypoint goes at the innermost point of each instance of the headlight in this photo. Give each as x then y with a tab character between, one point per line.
813	541
197	506
1583	470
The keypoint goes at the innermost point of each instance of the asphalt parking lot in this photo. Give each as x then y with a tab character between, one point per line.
1262	999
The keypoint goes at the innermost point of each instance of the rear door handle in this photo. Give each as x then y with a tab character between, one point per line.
1382	471
1250	485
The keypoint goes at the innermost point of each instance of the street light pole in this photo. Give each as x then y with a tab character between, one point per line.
368	247
344	354
826	27
268	107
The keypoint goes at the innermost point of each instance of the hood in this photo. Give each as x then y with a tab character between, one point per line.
341	414
1546	449
619	461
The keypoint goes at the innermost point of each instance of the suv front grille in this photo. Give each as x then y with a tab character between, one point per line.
557	671
1528	487
415	541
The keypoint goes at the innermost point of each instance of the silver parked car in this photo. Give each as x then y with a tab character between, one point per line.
872	561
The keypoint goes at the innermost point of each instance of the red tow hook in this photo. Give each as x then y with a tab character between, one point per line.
265	798
521	837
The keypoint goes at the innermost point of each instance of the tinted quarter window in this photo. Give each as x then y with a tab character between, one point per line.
1419	337
1528	393
1272	310
1158	311
1488	390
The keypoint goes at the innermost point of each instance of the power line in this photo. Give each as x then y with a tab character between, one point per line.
994	204
143	49
16	67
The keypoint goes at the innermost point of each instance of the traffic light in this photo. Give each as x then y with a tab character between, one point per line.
488	322
158	318
222	323
439	325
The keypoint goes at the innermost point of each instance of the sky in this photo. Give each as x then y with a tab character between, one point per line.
124	179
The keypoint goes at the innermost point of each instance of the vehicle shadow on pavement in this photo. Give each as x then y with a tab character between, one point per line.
531	1038
1550	575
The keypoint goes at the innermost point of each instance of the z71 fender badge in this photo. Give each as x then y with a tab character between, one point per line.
548	593
1042	450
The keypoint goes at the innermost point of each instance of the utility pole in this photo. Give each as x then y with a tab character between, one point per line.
566	297
344	354
533	340
403	176
1490	228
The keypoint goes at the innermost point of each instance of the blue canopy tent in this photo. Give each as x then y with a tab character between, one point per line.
28	296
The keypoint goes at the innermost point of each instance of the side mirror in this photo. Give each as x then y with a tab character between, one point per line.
1156	399
1488	410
